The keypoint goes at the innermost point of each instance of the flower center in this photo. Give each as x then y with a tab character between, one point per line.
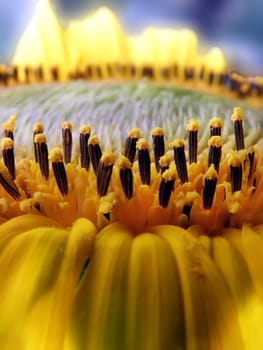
165	183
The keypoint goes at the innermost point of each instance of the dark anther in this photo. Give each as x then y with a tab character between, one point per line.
94	152
251	158
147	71
130	144
238	117
8	155
180	160
189	73
8	183
59	170
158	146
41	150
27	72
144	161
126	176
4	75
215	151
83	145
15	73
54	73
209	187
235	173
66	128
104	173
211	77
166	187
192	128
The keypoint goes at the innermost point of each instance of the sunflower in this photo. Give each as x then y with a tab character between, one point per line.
130	212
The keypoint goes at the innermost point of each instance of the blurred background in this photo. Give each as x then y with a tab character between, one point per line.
234	25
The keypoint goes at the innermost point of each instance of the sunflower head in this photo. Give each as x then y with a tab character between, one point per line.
130	210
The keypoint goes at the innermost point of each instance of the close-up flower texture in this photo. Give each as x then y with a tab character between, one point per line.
131	191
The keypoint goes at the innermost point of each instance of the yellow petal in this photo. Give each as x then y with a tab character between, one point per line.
43	42
40	271
22	224
236	274
209	310
155	315
98	319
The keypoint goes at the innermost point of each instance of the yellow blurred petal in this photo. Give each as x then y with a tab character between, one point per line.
155	315
47	329
22	224
250	245
237	276
98	39
98	318
40	270
43	42
210	312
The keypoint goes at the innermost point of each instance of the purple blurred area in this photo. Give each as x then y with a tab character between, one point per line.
234	25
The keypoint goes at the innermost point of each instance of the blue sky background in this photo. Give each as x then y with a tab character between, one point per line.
234	25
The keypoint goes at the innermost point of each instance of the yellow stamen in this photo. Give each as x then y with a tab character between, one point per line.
166	187
126	176
130	144
238	117
209	187
66	128
84	135
59	171
7	145
180	160
94	152
192	127
41	150
216	125
164	162
144	161
104	172
215	144
158	145
8	183
235	172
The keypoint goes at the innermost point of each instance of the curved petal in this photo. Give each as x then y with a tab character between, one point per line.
40	271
